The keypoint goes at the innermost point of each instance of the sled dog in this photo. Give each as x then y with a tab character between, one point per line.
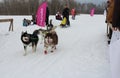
28	40
50	40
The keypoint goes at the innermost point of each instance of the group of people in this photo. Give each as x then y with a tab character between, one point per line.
65	14
64	17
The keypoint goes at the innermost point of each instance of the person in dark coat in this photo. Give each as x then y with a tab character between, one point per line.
65	13
47	16
33	18
116	15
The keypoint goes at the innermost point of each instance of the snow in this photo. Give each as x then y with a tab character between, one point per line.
82	50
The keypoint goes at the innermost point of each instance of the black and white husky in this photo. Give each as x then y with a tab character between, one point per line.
28	40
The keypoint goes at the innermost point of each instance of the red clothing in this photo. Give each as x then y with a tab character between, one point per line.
73	12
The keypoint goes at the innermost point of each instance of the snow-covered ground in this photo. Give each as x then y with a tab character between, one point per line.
81	51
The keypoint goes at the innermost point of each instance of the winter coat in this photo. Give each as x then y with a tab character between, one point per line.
116	14
63	23
110	11
73	12
65	12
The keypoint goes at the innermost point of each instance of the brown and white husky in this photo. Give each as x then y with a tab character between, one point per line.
50	41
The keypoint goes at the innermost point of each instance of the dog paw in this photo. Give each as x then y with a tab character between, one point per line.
45	52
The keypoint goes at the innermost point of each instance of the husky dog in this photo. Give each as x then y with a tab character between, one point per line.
28	39
50	40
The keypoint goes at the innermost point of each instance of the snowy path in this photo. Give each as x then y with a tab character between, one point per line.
81	52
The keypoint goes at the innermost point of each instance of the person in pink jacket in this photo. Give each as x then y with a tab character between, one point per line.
73	13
